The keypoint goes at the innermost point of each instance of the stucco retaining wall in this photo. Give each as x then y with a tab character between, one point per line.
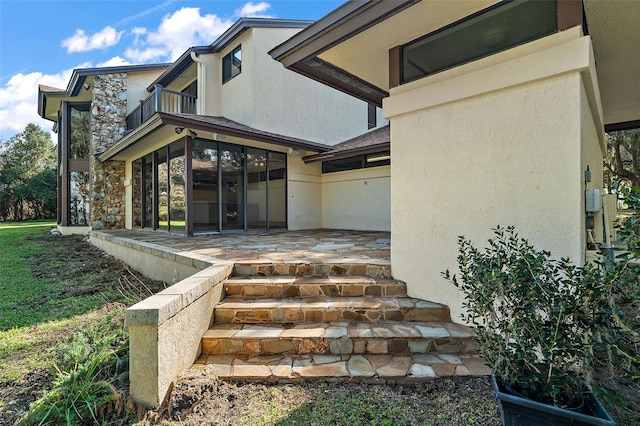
165	330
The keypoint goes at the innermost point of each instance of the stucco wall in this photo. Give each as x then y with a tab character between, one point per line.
502	145
304	193
269	97
592	155
357	199
137	83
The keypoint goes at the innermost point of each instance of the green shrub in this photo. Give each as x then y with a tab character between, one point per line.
536	318
91	377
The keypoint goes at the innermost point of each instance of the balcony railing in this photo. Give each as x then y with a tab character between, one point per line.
161	100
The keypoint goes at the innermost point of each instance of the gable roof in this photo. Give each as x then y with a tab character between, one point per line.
79	76
233	32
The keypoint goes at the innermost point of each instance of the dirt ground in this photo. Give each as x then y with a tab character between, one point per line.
199	399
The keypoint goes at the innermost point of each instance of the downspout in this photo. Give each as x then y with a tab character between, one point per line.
202	83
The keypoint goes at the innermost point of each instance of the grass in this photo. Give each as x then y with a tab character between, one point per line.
62	342
35	297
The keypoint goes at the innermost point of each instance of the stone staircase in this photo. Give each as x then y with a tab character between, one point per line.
295	321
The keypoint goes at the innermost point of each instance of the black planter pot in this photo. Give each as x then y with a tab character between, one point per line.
518	411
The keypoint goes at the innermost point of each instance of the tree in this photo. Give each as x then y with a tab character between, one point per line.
28	175
623	157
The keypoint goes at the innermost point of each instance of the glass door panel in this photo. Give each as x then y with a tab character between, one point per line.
205	185
256	188
277	190
163	190
232	164
147	191
177	213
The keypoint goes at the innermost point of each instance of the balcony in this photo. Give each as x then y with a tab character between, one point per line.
161	100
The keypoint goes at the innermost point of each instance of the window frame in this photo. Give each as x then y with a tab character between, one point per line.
227	61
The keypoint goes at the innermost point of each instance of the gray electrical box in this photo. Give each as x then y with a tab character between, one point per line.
593	201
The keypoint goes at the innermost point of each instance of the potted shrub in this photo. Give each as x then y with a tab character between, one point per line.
537	320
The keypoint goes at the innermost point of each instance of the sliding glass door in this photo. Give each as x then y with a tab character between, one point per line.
226	187
232	168
204	172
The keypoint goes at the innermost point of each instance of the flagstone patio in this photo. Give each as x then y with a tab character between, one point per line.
311	246
295	305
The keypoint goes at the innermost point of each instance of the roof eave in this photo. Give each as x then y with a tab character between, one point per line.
243	24
165	119
79	75
347	153
233	32
178	67
259	137
344	22
301	52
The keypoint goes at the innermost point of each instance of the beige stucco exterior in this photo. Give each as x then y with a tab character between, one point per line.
269	97
165	330
304	203
357	199
137	84
506	143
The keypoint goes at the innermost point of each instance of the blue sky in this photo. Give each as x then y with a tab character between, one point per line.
42	41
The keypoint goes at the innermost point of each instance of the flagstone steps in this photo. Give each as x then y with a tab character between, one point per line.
301	268
301	286
371	368
339	338
328	309
294	320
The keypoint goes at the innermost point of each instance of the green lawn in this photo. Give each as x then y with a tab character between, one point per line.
18	287
30	296
62	343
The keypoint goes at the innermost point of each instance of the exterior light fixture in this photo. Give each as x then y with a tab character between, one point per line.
179	130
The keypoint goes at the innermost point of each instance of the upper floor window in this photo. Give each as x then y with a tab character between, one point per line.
498	28
358	162
191	89
232	64
79	119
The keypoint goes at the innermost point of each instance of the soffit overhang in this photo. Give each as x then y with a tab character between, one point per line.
162	127
613	27
79	87
354	41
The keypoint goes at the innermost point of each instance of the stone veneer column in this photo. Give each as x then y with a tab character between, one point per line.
108	113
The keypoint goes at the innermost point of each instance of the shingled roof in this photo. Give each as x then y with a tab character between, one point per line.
373	141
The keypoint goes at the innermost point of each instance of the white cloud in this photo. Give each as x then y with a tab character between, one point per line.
19	101
176	33
116	61
254	10
149	54
81	42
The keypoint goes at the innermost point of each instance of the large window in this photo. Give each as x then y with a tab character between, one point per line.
177	201
228	187
357	162
498	28
79	198
74	178
204	172
232	64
